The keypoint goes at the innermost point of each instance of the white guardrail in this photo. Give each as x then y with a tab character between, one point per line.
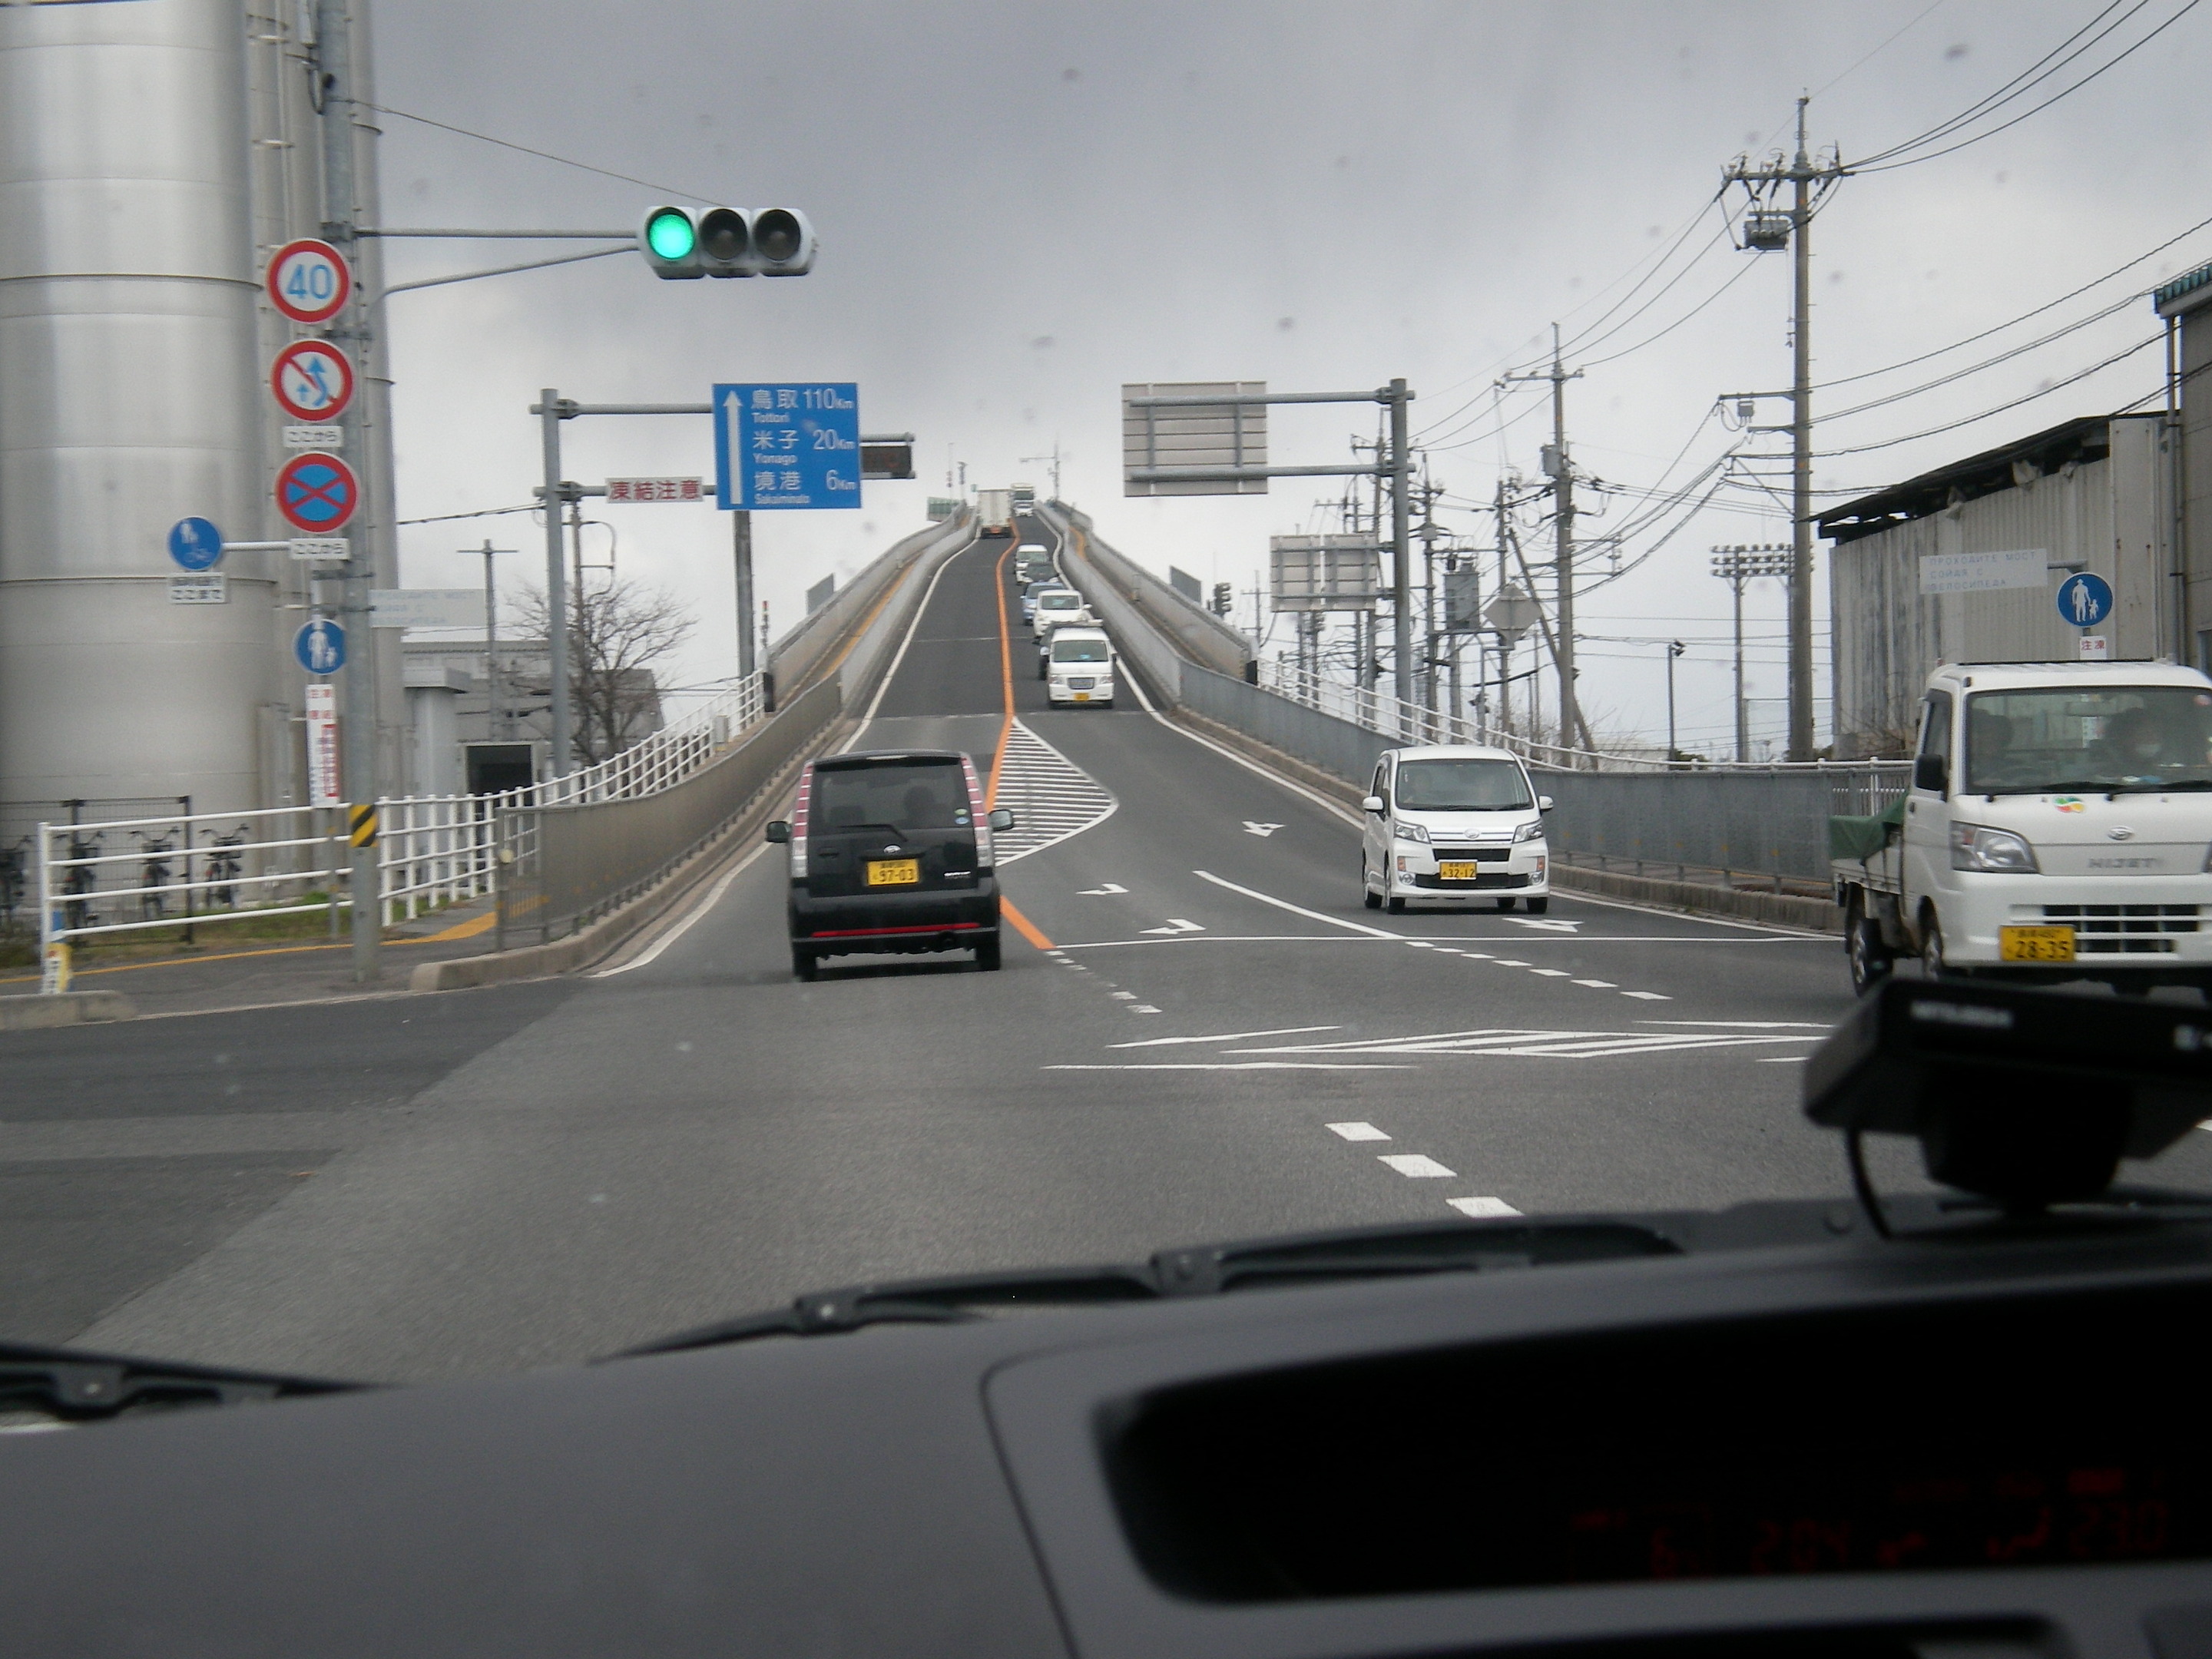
111	879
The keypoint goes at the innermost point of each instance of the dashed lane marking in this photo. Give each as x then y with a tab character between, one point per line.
1358	1132
1419	1165
1482	1208
1598	984
1226	1037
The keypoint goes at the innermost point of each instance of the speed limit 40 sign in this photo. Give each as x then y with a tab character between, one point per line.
309	281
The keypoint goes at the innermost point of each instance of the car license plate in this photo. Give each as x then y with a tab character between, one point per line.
1083	697
2035	944
894	872
1458	870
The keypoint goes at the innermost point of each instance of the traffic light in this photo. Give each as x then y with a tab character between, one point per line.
726	242
1224	598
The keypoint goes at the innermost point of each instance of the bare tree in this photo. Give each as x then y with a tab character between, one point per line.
617	632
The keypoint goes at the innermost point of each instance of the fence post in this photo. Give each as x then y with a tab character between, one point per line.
53	957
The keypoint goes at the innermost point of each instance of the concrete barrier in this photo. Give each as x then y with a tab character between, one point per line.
38	1014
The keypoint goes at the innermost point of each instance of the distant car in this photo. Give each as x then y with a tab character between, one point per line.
1056	605
891	851
1030	595
1454	825
1079	666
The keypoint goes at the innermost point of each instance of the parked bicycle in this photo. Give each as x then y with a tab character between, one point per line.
153	905
13	862
82	879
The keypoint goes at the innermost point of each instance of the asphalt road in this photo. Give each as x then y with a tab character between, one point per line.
1208	1037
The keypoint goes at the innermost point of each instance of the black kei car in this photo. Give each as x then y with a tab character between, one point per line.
890	851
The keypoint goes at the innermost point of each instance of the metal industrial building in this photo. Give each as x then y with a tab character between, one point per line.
153	154
2092	494
2184	303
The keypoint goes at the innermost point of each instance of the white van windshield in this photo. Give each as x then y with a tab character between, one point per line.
1462	786
1078	651
2112	738
1059	601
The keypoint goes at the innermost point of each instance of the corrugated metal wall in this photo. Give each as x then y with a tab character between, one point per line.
2106	514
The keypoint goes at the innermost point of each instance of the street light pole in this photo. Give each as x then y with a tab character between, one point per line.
1674	749
1735	566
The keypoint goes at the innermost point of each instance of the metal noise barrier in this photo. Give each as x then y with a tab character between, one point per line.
562	866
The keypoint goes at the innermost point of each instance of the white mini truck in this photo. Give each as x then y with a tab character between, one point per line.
2058	826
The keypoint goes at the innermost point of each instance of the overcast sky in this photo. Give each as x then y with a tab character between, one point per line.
1022	207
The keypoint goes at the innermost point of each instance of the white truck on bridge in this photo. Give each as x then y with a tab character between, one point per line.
994	512
2058	825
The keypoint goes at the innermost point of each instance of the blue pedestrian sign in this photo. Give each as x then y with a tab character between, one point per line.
795	445
194	543
2084	600
320	646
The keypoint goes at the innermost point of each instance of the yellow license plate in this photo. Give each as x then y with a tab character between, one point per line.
894	872
1083	697
2035	944
1457	869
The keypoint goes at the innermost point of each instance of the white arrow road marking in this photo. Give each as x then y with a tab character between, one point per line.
1101	892
1419	1165
1546	924
1480	1208
1358	1132
1176	925
1253	829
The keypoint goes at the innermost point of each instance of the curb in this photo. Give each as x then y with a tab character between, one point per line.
39	1013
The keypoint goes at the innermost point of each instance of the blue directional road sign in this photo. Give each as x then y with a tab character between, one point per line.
796	446
2084	600
321	646
194	543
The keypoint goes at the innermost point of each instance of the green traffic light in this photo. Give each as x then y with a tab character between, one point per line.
670	234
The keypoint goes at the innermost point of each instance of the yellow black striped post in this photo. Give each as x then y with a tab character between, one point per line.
362	819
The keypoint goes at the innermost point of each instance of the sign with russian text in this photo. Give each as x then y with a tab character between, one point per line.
794	447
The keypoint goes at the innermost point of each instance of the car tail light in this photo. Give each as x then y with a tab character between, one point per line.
978	815
798	823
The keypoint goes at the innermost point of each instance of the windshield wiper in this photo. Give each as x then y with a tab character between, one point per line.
67	1385
1335	1257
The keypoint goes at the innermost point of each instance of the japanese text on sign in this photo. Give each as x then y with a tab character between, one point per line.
655	489
787	447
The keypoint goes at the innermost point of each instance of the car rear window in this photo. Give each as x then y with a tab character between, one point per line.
905	795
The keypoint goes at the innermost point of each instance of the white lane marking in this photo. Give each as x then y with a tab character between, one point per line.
1482	1207
1144	1008
891	673
1599	984
1230	1065
1300	910
1050	796
1508	962
1525	1041
1358	1132
1787	1060
1100	892
1747	1025
1246	762
1420	945
685	925
1545	924
1553	973
1260	828
1478	956
1176	925
1124	996
1647	996
1419	1165
1772	929
1224	1037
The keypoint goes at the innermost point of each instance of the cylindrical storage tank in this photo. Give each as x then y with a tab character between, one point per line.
127	402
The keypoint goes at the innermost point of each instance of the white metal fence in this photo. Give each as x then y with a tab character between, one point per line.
109	880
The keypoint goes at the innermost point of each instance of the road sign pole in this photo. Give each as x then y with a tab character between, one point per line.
741	524
556	583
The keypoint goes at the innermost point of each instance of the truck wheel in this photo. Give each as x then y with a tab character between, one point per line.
1870	959
1931	949
803	963
1373	901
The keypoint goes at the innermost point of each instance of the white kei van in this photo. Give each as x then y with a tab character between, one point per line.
1454	825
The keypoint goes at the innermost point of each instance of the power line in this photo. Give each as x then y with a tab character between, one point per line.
541	154
2040	391
1957	374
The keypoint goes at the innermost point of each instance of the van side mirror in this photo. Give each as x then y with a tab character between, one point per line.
1000	818
1372	803
1543	803
1930	772
779	832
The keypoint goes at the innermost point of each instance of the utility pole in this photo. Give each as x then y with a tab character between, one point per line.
1561	471
741	531
1767	231
1402	551
557	586
492	716
363	880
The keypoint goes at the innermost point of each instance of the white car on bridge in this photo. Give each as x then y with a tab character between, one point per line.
1454	825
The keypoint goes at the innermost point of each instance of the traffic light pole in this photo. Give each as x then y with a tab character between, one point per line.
741	538
358	748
